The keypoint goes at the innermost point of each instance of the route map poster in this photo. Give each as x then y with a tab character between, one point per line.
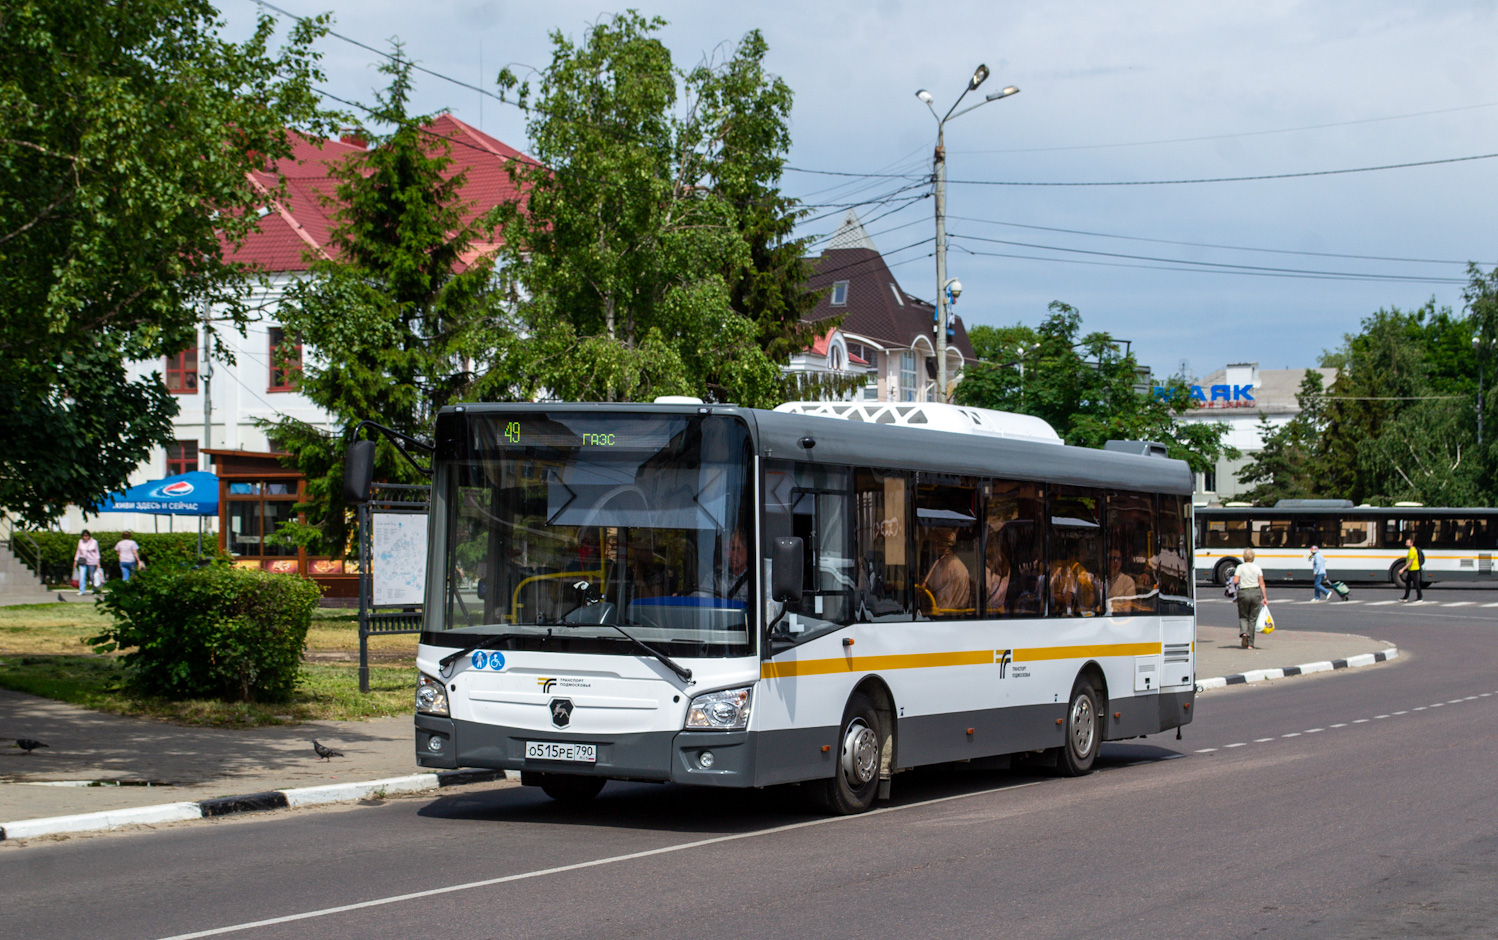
399	558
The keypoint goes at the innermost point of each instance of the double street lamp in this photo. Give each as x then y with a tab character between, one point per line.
940	161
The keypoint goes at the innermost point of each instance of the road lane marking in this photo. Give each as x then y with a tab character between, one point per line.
1377	717
1206	750
1459	604
1401	713
1420	708
1262	740
1490	605
1342	724
1314	730
1293	734
1359	721
1380	603
1239	744
577	866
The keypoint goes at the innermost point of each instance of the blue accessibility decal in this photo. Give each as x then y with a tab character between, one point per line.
496	661
480	659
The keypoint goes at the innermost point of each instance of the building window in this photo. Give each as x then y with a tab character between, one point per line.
840	294
907	376
285	360
182	372
835	359
181	457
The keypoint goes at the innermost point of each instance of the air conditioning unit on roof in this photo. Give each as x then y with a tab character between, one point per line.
933	416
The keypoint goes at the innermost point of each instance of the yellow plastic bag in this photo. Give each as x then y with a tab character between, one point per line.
1266	621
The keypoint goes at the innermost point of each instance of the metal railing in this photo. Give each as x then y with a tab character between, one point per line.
21	544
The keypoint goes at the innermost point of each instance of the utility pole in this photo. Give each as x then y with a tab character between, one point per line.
205	379
939	173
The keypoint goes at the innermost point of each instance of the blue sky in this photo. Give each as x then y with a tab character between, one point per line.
1124	91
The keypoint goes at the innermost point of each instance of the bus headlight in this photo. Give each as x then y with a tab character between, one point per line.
431	696
721	711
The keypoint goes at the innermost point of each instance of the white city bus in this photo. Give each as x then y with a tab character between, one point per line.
1359	543
594	610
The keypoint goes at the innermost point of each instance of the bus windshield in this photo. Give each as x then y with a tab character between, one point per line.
566	531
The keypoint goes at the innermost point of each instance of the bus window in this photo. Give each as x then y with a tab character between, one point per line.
1485	533
1226	533
813	503
1013	560
1358	533
882	581
1074	581
1271	533
946	515
1174	560
1130	584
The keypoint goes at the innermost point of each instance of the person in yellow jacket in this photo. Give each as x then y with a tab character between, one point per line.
1411	570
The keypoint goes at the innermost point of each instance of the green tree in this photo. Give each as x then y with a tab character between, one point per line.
126	133
1086	387
392	322
652	251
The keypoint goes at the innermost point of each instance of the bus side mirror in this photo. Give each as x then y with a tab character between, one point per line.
787	572
358	472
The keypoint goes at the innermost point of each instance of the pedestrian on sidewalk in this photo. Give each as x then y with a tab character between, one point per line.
1251	597
86	561
1414	560
129	553
1319	590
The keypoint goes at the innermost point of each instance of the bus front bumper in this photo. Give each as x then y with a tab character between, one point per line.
657	756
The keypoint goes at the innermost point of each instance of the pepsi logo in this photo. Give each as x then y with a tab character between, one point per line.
180	488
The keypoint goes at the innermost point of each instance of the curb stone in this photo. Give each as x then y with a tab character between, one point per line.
1259	675
246	803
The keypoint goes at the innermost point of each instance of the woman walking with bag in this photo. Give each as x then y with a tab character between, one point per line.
86	561
1251	597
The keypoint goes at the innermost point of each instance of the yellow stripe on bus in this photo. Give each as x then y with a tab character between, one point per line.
821	667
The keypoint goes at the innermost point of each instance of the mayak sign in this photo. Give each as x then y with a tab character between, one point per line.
1215	396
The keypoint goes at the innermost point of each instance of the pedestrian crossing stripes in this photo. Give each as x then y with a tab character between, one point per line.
1347	603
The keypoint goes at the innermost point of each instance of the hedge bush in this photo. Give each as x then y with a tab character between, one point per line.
169	549
214	632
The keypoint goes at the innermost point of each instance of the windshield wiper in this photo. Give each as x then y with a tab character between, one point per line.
662	658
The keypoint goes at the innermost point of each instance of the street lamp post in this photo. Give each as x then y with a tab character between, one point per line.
940	176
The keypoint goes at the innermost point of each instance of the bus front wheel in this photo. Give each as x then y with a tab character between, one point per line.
1084	731
855	779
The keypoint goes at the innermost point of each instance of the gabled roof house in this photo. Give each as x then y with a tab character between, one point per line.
886	333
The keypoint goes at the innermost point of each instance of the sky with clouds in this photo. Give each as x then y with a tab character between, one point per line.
1121	92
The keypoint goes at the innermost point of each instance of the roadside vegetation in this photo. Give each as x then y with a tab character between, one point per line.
44	651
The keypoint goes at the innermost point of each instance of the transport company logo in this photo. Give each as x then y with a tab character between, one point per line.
1003	658
548	683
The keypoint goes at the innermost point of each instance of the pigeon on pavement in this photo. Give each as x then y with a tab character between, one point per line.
323	753
28	745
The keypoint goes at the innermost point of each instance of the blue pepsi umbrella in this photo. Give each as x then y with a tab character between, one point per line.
186	494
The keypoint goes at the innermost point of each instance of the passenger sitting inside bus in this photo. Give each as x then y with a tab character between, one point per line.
1122	591
733	581
949	582
998	577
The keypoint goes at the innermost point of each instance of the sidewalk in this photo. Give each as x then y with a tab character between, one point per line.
190	764
181	763
1219	653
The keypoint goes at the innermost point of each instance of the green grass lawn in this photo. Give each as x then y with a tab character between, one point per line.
43	652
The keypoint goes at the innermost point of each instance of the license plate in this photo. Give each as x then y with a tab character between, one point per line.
551	750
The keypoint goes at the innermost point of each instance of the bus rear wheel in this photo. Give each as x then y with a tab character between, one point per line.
1225	569
1084	731
570	788
855	779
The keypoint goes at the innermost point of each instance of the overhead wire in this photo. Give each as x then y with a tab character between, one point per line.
1215	264
1231	179
1282	130
1166	241
419	68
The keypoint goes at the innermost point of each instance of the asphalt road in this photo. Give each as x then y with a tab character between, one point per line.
1352	804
